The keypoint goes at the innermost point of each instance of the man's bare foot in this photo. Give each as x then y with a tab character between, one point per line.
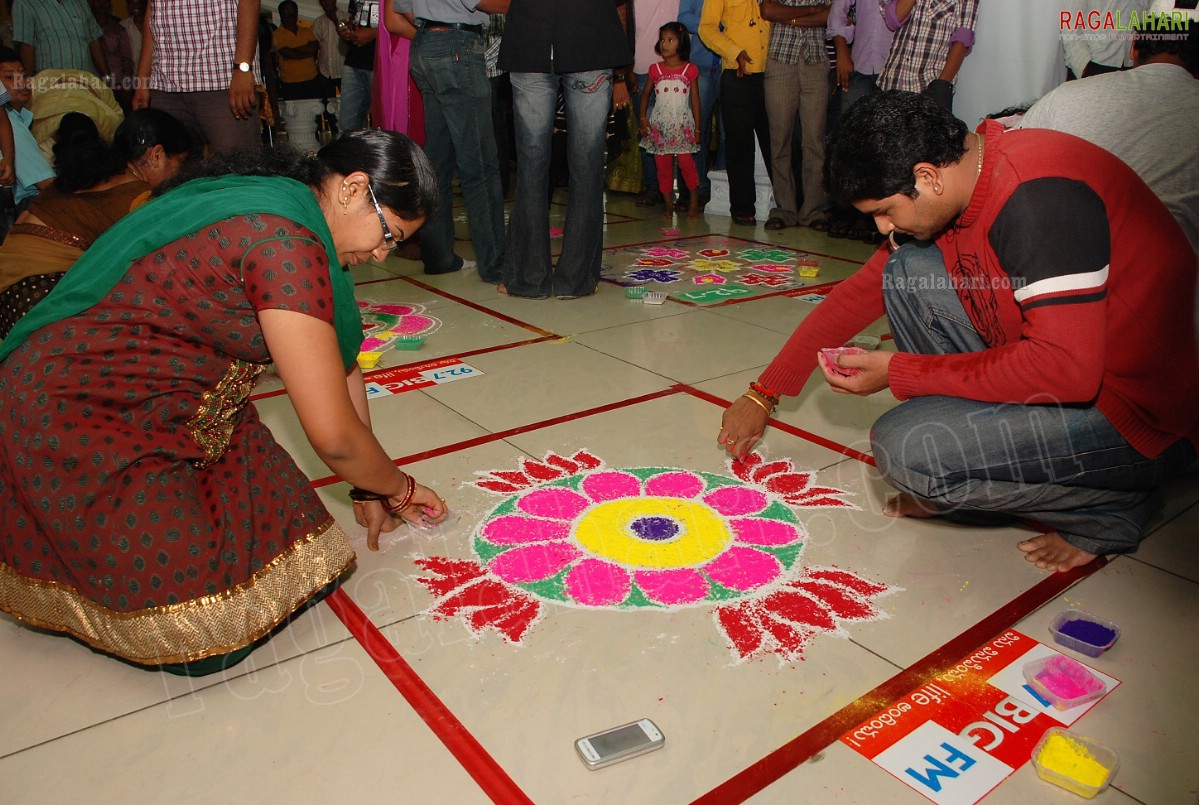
501	288
693	207
907	505
1051	552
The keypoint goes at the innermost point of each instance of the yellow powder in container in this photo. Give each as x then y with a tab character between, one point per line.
1069	758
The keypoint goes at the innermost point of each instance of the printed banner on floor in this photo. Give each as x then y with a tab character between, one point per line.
960	734
406	378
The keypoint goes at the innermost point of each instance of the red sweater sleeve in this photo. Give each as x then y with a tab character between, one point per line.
1050	243
852	306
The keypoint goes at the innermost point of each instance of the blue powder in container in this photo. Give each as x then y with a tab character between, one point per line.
1096	634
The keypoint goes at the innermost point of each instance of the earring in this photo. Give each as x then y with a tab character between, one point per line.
345	205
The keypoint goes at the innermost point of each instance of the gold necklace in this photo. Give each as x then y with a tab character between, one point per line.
979	169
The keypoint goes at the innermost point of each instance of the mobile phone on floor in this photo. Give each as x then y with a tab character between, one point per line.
619	743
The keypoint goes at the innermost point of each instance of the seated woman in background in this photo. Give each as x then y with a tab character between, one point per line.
96	185
150	513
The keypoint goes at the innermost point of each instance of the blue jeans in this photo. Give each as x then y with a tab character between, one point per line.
355	98
709	93
1064	466
449	70
860	85
528	271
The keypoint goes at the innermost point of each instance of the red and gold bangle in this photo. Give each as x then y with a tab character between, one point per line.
767	394
405	501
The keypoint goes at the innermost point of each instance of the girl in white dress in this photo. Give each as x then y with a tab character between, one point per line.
674	127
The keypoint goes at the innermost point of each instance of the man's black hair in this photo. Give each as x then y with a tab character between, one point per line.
882	138
1185	46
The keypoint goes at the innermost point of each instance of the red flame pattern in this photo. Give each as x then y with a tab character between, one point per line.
783	622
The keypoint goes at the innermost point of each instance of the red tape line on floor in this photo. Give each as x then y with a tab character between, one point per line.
494	781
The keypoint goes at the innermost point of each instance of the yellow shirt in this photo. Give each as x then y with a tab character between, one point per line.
292	71
744	29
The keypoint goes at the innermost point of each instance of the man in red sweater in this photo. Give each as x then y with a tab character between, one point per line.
1046	352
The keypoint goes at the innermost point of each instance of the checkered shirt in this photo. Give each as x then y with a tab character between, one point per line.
60	33
921	46
790	43
194	45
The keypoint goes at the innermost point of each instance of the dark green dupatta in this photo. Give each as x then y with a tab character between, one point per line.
190	208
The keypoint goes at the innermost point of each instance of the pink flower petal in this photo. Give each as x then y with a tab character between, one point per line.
560	504
533	562
675	485
741	568
411	325
514	529
596	583
756	531
734	501
611	485
682	585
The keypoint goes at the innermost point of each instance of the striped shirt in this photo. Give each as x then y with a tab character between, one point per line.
333	47
195	43
789	44
59	32
922	41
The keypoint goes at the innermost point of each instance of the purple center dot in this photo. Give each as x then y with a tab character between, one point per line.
655	529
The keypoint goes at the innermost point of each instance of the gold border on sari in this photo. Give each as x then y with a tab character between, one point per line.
192	630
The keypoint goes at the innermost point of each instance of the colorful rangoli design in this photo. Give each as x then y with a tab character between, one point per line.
687	268
384	322
572	532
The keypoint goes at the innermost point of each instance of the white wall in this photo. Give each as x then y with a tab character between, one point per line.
1017	58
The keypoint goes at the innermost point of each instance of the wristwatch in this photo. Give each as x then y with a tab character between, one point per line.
242	66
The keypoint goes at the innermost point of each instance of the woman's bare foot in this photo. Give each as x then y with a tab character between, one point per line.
501	288
667	209
693	207
907	505
1051	552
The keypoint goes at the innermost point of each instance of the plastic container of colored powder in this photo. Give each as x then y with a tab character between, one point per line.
408	342
1073	762
1063	682
368	360
1083	632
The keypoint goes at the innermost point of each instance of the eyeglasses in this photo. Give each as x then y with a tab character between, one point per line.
389	240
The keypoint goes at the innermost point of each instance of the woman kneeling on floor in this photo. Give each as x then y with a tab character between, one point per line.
145	508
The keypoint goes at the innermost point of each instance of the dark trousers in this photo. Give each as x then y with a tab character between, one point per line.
743	115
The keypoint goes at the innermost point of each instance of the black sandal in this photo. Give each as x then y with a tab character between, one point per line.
841	227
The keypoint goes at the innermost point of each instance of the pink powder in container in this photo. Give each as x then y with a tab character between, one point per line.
1063	682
